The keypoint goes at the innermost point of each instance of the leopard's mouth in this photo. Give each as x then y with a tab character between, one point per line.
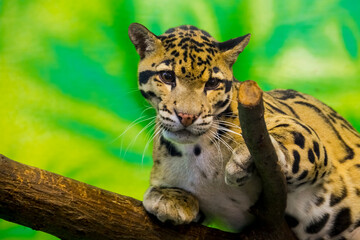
182	136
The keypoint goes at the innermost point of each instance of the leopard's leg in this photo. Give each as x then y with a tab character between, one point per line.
171	205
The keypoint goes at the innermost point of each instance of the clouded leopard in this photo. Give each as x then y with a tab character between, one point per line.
201	163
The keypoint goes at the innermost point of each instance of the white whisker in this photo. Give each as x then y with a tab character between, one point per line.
228	136
132	124
152	122
225	144
230	124
213	140
158	129
223	141
231	131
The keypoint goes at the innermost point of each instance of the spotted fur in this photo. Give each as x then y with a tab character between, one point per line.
201	163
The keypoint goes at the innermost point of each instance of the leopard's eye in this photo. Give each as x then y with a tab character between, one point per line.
168	77
213	83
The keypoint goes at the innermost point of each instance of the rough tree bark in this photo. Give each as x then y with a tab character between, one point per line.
70	209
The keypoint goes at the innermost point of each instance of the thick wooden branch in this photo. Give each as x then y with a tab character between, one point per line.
70	209
272	203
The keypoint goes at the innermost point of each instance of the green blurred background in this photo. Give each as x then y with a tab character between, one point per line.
68	87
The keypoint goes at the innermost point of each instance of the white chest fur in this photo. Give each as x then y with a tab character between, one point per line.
200	170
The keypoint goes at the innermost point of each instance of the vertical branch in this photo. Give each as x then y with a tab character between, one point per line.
272	202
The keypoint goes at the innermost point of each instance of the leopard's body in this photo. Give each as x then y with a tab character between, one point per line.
201	163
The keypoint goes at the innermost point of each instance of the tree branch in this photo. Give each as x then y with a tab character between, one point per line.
271	205
70	209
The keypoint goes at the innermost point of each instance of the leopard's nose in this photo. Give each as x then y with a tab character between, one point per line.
186	119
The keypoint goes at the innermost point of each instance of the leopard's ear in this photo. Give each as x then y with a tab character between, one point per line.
144	41
232	48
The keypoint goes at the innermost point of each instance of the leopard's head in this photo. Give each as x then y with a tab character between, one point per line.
187	77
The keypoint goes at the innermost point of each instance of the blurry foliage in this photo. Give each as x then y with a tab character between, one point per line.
68	87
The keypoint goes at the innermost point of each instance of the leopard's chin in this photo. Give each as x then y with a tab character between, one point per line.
181	137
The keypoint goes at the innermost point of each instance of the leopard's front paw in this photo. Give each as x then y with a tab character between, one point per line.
171	204
240	167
